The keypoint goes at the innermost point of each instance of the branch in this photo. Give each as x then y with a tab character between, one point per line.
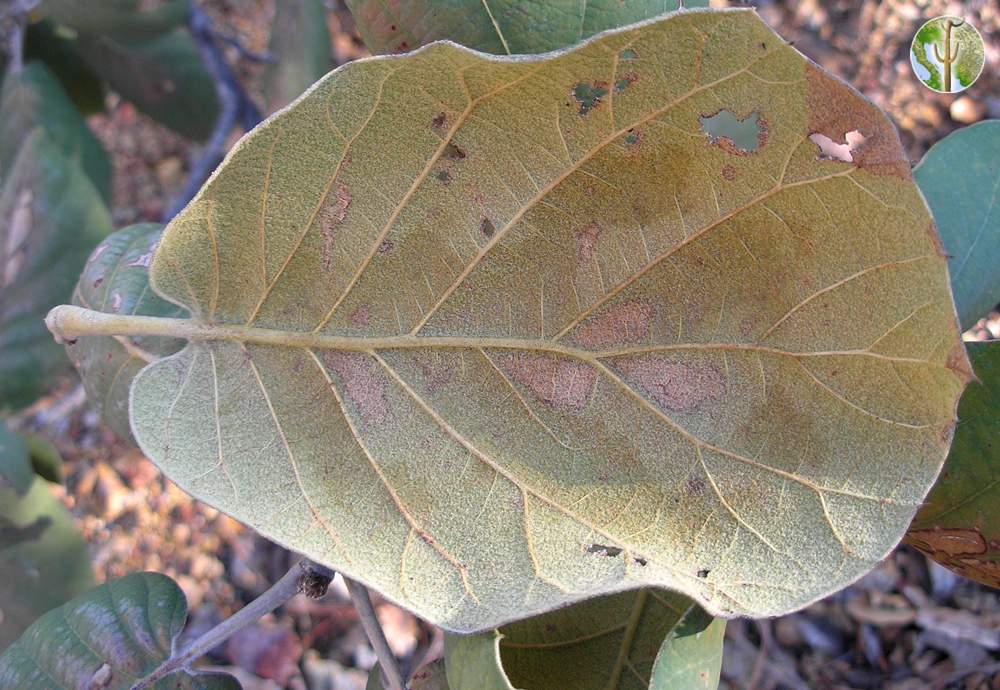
235	106
305	577
366	612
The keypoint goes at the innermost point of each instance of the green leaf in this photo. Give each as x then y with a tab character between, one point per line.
56	47
548	352
300	45
133	19
33	98
960	179
51	216
430	677
501	27
162	76
45	458
43	561
108	638
15	463
116	279
959	526
642	639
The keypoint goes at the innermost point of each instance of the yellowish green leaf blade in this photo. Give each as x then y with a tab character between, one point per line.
960	179
959	525
501	27
493	342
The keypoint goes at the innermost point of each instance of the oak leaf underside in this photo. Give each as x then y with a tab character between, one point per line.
503	351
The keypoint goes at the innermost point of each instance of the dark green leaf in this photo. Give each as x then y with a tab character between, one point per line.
34	98
163	77
56	47
646	638
498	26
960	179
300	44
959	525
15	463
45	458
51	216
134	19
116	279
107	638
43	561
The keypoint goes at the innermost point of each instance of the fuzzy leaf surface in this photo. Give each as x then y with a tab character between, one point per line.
959	526
493	343
960	179
116	280
44	560
501	27
51	216
636	640
109	638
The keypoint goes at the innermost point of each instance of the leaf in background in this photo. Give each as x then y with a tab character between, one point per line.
494	336
56	47
960	179
132	19
430	677
300	45
660	639
162	76
108	638
45	458
43	561
959	526
51	216
15	463
116	280
501	27
33	98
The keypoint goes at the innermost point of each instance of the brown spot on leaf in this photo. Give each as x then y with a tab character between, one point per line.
949	541
331	217
621	324
694	487
453	152
728	172
386	246
626	81
586	242
116	301
604	550
444	176
958	362
560	383
487	228
835	109
674	385
439	121
361	384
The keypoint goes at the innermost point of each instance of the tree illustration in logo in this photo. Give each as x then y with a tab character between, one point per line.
947	54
